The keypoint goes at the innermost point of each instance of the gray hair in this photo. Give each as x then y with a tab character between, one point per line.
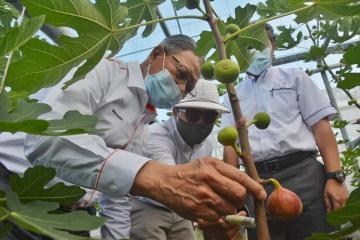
178	43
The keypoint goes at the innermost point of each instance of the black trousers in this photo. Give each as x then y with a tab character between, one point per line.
307	179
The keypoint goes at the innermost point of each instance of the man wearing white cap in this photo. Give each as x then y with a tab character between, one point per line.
178	140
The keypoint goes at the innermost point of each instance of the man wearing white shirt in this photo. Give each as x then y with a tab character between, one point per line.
178	140
123	97
286	149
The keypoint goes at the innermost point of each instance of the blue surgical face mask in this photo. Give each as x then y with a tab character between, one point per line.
262	60
162	89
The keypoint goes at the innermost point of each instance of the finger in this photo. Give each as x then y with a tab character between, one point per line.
221	205
335	203
205	213
242	213
252	187
224	186
327	203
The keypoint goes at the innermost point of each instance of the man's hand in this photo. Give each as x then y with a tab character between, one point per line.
201	189
220	230
335	195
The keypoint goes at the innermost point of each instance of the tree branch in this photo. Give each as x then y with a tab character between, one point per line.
260	213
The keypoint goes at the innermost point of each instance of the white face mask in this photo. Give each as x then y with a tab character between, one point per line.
262	60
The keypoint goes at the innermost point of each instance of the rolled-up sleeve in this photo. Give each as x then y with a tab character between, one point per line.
313	104
80	159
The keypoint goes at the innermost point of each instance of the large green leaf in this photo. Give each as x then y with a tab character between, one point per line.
285	40
23	118
34	217
315	53
349	80
310	9
143	10
72	123
31	187
352	55
340	30
349	213
17	36
7	14
99	27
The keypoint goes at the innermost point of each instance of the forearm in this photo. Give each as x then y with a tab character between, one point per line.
326	142
230	157
81	159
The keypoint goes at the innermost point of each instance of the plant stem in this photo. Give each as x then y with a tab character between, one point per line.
272	181
5	216
256	24
237	150
160	20
5	72
248	124
260	213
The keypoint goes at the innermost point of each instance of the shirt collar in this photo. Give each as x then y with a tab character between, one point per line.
136	79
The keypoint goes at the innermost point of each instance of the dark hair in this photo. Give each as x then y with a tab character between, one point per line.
177	43
271	35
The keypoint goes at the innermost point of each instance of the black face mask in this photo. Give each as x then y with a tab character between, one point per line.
193	133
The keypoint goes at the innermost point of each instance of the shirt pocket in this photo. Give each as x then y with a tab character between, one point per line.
283	103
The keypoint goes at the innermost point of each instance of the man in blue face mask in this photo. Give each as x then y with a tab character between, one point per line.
286	150
123	96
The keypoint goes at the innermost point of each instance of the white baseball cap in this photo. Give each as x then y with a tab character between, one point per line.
203	96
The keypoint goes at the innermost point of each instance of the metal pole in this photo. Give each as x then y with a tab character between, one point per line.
163	25
331	95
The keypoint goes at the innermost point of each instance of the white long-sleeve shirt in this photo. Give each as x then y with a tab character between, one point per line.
294	104
113	91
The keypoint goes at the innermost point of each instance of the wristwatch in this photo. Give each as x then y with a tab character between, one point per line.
337	175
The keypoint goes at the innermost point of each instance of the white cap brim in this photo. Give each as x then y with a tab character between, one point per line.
203	105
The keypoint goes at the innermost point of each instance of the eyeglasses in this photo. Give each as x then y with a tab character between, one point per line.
183	74
195	115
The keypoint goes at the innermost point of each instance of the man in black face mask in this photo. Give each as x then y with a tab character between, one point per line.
180	139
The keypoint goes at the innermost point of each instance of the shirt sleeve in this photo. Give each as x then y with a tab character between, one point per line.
80	159
313	104
160	146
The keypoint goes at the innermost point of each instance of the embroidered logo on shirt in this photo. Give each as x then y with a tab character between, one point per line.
193	93
116	114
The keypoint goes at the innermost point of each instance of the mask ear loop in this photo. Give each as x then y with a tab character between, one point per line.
164	61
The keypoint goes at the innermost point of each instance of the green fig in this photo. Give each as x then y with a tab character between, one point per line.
261	120
207	70
226	71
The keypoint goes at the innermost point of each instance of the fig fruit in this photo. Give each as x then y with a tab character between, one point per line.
227	136
207	70
261	120
283	204
226	71
232	28
192	4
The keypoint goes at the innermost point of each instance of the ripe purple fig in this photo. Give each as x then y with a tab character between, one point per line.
283	204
